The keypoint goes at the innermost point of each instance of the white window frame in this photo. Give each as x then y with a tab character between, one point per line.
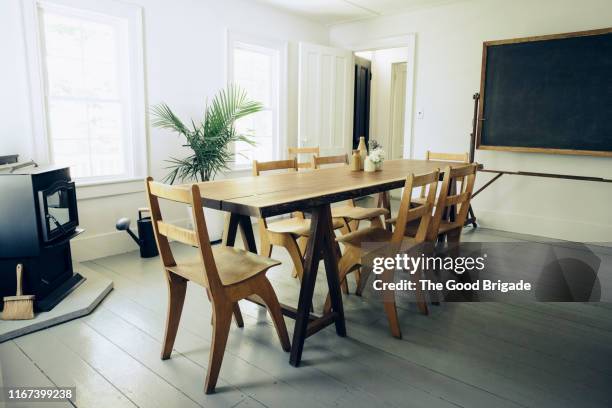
136	147
280	125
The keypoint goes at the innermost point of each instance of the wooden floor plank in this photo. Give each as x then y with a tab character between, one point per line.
179	371
18	370
65	368
144	387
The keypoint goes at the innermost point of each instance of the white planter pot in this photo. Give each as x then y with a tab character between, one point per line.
215	222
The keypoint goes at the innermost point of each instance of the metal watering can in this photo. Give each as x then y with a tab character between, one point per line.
145	238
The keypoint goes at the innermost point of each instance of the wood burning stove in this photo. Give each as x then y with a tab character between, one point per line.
38	218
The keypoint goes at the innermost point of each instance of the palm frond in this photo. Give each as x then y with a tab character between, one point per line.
212	139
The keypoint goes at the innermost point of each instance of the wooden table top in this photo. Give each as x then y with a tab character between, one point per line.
282	193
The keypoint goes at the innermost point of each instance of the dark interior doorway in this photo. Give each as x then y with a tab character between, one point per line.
361	107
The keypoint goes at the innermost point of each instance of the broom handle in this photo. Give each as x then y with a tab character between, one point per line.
19	272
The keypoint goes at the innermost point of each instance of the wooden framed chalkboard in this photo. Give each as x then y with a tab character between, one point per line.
548	94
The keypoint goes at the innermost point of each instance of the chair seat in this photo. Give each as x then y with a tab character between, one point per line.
370	234
375	237
234	265
357	213
296	226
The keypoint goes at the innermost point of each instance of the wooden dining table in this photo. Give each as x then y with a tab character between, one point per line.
313	192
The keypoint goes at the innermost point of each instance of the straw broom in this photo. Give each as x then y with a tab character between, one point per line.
18	307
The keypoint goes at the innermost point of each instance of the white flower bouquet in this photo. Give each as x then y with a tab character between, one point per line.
377	156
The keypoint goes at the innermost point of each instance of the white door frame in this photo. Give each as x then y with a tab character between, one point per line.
402	41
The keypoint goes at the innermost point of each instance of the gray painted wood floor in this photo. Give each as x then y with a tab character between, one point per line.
462	354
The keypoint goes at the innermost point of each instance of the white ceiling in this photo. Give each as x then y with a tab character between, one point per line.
330	12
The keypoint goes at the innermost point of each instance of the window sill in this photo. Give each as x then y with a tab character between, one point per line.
106	188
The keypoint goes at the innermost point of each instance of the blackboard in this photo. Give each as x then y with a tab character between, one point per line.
550	94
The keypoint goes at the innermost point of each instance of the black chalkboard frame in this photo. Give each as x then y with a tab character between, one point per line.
485	46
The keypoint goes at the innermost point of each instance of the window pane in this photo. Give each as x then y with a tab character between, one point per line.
87	137
67	120
65	76
258	124
85	108
255	72
62	36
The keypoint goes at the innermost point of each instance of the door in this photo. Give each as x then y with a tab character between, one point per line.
361	107
398	109
325	86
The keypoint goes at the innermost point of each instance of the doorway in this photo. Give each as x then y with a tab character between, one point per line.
380	95
361	105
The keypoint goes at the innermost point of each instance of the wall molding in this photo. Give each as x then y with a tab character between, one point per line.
105	244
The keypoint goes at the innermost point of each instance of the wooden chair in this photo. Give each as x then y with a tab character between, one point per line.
348	213
377	237
453	203
294	153
228	274
454	157
286	232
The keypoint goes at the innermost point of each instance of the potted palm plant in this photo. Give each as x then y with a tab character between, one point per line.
210	141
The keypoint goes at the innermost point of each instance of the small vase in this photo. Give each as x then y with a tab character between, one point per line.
363	150
368	165
379	166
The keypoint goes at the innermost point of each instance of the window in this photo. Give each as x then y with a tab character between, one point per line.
93	91
258	68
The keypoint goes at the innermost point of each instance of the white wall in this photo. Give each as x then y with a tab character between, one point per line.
185	54
449	47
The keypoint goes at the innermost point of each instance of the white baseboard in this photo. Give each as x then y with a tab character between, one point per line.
90	247
565	229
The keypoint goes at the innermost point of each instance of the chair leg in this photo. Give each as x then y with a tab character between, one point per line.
267	294
345	265
390	307
222	318
344	287
421	301
358	282
363	279
266	246
301	243
177	287
238	315
296	256
453	236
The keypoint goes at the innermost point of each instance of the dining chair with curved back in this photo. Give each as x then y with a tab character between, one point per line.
360	244
228	275
453	202
285	232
